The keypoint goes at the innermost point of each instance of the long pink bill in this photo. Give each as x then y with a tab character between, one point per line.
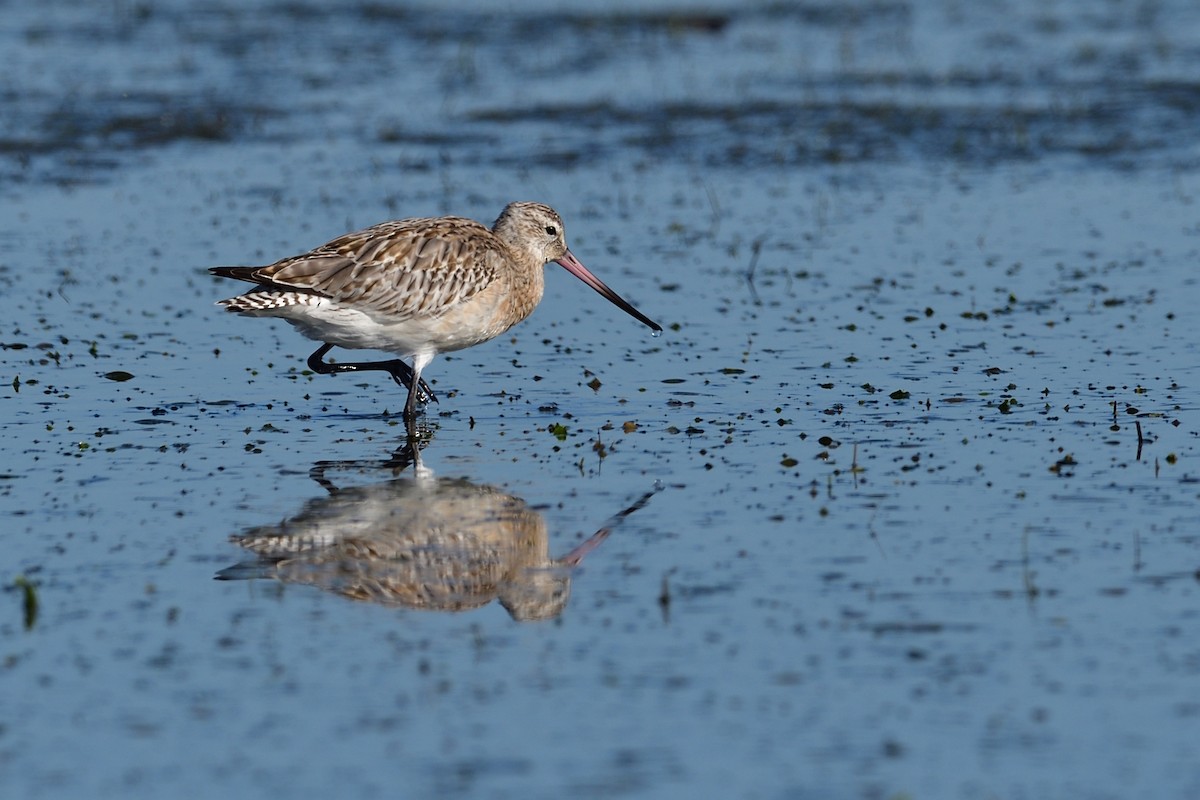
571	264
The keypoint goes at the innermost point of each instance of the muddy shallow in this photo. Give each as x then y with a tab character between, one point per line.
910	478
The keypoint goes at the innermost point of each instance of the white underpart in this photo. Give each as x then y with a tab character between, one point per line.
325	320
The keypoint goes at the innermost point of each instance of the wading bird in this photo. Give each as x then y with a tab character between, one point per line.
415	288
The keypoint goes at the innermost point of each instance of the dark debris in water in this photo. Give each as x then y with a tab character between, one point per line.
1112	107
90	131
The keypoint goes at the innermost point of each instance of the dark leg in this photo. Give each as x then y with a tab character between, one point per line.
401	373
410	408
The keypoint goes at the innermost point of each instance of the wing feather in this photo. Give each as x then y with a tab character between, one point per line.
401	269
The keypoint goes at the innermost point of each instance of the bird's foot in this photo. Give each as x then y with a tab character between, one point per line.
403	377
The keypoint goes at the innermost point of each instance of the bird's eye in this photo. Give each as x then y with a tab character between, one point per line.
553	231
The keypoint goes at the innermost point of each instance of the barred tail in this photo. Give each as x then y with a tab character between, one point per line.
267	299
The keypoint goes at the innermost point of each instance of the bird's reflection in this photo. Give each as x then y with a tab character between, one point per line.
419	542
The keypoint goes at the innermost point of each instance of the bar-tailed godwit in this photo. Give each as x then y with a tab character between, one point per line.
415	288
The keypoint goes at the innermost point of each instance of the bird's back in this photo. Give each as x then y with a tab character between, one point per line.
400	269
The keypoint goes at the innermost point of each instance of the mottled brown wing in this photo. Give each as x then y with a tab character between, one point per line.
406	268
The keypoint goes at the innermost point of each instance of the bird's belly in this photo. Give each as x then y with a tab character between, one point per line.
457	328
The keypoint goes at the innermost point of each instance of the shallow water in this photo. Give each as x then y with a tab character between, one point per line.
919	434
